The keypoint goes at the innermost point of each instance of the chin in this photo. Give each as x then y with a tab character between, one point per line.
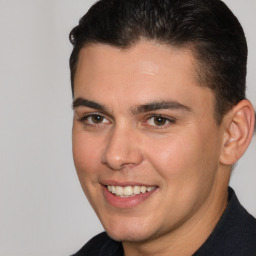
131	232
128	237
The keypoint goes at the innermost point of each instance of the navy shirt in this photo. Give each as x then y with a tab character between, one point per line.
234	235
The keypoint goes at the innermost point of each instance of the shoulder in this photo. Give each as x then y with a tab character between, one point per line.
244	230
235	234
240	225
101	245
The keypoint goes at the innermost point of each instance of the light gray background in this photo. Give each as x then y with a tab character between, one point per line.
42	208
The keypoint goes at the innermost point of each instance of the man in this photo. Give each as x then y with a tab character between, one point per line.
160	118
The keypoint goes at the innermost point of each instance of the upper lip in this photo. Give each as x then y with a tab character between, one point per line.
124	184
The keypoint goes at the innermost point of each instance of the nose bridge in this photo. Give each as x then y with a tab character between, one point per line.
122	148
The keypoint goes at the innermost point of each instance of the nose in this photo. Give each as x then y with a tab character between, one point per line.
122	149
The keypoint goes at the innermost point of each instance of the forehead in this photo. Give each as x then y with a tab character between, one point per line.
147	71
148	56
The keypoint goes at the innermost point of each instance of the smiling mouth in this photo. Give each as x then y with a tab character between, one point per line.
129	191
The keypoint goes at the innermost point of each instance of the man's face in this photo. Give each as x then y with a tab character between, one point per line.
145	130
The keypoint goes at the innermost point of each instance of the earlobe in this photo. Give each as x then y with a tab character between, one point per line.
239	127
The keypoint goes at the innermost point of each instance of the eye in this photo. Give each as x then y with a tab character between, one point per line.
94	119
159	121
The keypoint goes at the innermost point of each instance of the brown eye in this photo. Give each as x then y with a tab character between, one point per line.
96	119
159	121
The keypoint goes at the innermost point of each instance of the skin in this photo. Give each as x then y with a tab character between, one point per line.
182	155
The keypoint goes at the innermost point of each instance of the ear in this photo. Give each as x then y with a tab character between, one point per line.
238	126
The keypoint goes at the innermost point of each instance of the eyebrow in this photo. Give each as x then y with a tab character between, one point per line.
160	105
81	102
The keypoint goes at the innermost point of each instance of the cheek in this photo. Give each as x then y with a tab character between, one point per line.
182	158
187	171
86	156
86	153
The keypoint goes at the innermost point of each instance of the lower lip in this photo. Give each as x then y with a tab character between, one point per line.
126	202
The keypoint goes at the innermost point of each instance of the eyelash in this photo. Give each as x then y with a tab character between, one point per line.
169	121
84	119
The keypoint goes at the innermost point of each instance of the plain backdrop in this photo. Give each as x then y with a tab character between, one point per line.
43	210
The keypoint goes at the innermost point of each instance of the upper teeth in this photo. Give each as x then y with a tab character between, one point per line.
129	190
